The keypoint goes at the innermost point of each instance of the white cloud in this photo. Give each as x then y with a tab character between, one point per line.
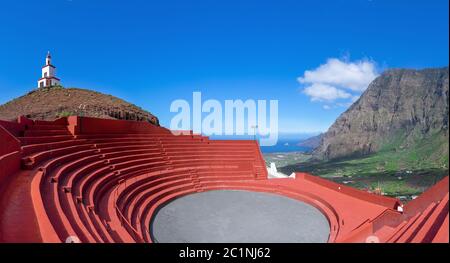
338	80
355	76
326	107
324	92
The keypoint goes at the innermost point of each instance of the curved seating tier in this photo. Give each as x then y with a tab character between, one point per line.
107	187
82	179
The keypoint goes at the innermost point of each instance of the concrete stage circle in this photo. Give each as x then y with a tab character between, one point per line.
238	217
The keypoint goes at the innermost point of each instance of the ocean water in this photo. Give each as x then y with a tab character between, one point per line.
285	145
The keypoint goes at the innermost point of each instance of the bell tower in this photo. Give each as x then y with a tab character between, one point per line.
48	77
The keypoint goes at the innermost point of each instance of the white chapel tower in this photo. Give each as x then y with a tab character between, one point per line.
48	78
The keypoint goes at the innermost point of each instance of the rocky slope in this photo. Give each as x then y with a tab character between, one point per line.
54	102
400	109
312	142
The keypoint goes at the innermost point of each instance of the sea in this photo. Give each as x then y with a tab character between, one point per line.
283	146
286	143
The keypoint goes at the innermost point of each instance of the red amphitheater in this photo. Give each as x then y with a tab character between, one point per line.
81	179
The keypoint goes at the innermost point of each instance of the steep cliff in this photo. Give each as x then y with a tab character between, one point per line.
401	110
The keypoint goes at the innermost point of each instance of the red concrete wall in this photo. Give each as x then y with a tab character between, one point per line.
87	125
389	218
377	199
72	125
60	121
433	194
17	128
8	143
9	154
25	121
14	128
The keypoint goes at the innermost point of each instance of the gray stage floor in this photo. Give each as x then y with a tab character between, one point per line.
238	217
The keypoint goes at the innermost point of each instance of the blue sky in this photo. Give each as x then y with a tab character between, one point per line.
151	53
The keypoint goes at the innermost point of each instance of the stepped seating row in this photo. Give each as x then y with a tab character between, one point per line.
48	126
40	133
44	139
99	182
105	184
79	177
423	221
424	226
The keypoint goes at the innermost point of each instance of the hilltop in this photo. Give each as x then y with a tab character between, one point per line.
54	102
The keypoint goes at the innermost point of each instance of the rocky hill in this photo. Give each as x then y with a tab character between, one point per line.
54	102
401	109
312	142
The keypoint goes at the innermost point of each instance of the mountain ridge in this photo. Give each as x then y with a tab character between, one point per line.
399	109
311	142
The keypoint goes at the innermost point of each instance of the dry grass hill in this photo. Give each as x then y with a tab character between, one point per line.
54	102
